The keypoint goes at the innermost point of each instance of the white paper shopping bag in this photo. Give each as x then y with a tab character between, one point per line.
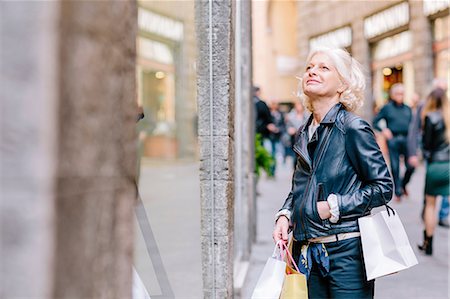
271	280
386	247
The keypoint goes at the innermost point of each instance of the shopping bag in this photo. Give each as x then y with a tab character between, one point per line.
271	279
385	245
295	285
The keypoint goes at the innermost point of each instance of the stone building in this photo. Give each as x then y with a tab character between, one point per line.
396	41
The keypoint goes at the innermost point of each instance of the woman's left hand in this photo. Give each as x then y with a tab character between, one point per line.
323	209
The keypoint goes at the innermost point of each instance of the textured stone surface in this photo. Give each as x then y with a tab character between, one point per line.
244	203
216	81
422	50
95	190
223	190
222	266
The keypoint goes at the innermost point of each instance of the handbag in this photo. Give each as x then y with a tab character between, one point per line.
271	279
385	245
295	285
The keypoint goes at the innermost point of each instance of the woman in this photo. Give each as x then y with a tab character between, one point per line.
436	150
340	175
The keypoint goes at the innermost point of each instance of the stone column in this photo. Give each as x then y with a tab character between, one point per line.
28	137
97	149
215	92
68	148
244	204
361	52
422	48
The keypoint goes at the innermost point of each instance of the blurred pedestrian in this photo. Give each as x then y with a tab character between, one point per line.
396	118
275	135
414	145
294	119
263	118
340	175
436	150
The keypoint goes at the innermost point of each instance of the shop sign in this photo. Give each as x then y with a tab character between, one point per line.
431	7
386	20
393	46
160	25
154	50
340	38
287	64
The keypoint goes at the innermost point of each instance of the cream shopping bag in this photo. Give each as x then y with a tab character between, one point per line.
385	245
271	279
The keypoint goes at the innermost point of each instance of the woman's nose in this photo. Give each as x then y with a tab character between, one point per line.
312	71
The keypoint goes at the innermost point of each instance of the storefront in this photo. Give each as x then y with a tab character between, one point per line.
339	38
168	129
168	171
391	51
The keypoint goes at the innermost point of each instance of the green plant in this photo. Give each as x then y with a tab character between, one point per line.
263	159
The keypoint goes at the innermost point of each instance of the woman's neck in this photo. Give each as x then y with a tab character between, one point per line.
321	106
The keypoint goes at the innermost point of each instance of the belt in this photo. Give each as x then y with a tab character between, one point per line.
334	238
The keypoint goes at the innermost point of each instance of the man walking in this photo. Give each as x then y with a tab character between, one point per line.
396	117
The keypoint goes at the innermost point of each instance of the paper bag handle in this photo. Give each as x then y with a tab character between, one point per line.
288	254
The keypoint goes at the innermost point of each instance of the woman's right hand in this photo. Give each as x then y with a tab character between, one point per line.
281	230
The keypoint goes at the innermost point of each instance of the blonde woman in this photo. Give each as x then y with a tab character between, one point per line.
339	176
436	150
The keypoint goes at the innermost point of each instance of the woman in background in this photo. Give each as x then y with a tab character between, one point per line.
436	151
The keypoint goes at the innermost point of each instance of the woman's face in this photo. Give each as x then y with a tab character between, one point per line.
321	78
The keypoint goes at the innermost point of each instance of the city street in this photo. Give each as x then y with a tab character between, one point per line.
429	279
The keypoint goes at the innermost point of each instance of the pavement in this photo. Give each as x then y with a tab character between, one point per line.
167	253
427	280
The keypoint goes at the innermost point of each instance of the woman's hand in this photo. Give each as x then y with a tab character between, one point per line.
323	209
281	229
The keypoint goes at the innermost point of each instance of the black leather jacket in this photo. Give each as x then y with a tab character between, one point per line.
347	162
435	145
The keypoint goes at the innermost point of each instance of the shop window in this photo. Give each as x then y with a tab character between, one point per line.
391	75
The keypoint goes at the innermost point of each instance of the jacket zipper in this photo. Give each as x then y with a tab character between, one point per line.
313	171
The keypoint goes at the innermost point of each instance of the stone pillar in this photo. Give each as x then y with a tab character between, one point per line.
422	50
361	52
244	204
97	149
28	136
68	148
215	92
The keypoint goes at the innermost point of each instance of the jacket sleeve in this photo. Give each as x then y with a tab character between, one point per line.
376	121
370	166
289	202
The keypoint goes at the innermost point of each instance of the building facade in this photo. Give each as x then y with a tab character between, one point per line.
396	41
275	52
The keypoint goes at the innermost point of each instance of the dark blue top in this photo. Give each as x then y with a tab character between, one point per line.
397	118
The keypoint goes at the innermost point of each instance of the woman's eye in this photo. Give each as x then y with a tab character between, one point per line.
308	68
325	67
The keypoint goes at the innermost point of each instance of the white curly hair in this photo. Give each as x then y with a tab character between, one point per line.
350	72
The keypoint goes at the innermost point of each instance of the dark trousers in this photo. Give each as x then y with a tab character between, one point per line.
397	147
346	278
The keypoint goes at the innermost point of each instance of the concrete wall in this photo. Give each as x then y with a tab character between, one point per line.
68	149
